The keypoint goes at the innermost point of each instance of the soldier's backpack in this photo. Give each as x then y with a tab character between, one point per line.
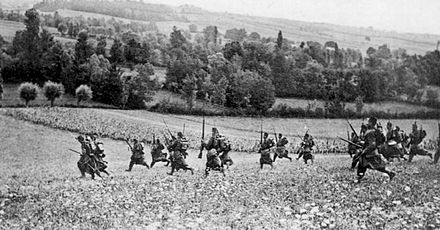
283	141
184	144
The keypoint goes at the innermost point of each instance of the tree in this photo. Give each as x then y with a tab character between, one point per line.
83	93
117	52
52	91
210	34
280	40
100	48
359	101
432	97
83	50
189	90
176	38
62	28
28	92
254	36
231	49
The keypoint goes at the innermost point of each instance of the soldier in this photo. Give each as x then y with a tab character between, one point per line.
87	162
221	145
281	150
370	157
213	162
178	149
416	137
137	157
156	153
306	148
437	153
265	151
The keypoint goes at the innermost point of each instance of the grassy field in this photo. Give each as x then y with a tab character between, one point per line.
40	188
8	29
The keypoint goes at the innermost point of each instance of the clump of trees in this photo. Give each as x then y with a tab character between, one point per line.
28	92
83	93
52	91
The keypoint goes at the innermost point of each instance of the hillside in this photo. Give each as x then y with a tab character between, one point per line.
183	16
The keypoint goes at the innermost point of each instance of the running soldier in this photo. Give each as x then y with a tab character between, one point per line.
98	151
370	157
213	162
87	163
265	151
156	153
221	145
137	157
281	150
416	138
178	149
305	150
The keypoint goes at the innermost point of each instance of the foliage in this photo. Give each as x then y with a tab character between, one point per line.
28	92
52	91
189	90
83	93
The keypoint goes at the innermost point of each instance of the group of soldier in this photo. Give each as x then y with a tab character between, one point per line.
371	149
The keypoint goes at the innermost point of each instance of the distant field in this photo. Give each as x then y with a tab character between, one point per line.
386	106
8	29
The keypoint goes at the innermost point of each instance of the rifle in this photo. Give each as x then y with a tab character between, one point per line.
75	151
275	133
171	134
203	137
354	131
128	143
350	142
261	132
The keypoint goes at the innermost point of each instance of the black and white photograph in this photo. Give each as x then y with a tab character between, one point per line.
219	114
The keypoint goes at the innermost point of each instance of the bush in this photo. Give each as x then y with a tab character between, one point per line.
28	92
83	93
52	91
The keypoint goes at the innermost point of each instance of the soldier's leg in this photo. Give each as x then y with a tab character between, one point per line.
274	157
389	173
436	156
172	170
130	166
412	153
354	163
145	164
152	163
361	170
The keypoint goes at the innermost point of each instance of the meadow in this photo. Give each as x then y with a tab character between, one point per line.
8	29
40	188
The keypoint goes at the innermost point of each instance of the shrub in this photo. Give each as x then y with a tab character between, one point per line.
83	93
28	92
52	91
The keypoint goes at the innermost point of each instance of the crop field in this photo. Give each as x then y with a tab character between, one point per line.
40	188
8	29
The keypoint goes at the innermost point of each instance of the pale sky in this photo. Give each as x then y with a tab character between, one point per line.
415	16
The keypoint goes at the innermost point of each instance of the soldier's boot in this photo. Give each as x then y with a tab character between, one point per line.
274	157
152	163
290	158
411	156
146	165
172	171
83	174
130	166
192	171
436	156
261	166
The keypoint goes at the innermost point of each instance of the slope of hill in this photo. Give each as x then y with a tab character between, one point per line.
183	16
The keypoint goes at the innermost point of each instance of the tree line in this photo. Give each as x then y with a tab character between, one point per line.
235	70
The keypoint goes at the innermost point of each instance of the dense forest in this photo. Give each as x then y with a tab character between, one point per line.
236	70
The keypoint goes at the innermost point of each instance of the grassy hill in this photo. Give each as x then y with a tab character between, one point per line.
346	36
